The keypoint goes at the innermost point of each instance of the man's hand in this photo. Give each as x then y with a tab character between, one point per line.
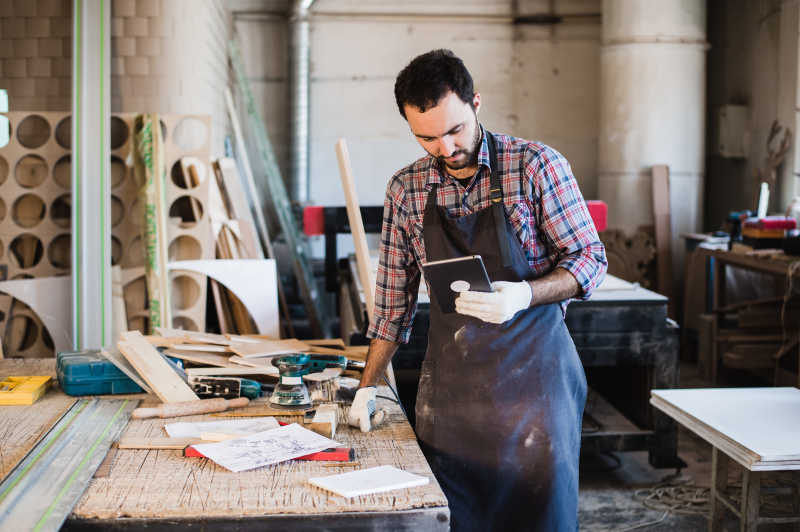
363	408
498	306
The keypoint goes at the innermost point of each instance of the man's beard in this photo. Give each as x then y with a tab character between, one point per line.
472	154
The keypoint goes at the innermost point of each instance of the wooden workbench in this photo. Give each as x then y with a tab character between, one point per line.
162	489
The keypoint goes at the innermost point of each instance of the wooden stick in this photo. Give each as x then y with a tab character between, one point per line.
134	442
360	238
190	408
661	218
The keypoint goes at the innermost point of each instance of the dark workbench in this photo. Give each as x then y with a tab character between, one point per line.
161	489
627	347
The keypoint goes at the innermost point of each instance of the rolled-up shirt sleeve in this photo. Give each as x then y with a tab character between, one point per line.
397	282
566	221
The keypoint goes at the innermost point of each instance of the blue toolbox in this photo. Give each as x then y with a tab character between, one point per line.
90	373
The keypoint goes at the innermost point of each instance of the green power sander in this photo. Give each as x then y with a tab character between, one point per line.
291	391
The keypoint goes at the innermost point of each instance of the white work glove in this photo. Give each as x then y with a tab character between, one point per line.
363	409
498	306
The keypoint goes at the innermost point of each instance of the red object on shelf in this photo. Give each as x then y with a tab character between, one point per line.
598	210
313	220
771	222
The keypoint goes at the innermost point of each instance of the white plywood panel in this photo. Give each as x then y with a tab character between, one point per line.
253	281
766	421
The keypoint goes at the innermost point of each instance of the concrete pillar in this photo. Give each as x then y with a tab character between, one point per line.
652	111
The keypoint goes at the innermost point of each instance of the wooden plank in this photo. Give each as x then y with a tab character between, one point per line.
222	372
157	443
209	359
269	347
662	221
363	262
164	382
719	484
119	319
356	228
150	170
230	186
252	362
193	336
201	348
115	357
260	410
327	342
751	500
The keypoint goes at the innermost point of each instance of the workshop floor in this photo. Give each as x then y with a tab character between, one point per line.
612	486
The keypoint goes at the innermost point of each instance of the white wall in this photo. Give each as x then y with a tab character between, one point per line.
536	81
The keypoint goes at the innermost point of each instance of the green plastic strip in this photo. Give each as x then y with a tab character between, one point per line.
73	413
80	467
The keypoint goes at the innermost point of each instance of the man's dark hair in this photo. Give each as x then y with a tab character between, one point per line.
428	77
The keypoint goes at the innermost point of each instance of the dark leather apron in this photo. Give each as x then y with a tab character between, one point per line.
499	407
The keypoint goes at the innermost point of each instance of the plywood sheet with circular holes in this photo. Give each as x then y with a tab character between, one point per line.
35	214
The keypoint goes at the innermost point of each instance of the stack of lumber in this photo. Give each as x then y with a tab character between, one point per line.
215	355
235	238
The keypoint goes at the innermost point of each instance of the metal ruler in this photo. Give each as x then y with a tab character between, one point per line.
280	201
40	492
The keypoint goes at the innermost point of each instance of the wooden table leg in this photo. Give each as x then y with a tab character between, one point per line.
796	498
710	372
719	482
751	492
718	301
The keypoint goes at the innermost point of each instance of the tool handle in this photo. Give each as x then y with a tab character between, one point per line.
190	408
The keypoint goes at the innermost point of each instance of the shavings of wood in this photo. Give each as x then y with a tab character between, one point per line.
269	347
193	337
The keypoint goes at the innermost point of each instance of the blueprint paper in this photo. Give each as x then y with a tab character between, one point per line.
244	426
366	481
265	448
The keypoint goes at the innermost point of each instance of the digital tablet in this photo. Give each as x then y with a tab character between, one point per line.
446	278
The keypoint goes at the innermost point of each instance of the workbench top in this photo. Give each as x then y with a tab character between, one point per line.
157	486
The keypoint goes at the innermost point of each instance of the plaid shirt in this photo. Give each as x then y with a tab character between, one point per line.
542	201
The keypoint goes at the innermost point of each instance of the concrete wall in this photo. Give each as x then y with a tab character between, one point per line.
36	54
167	56
170	56
536	81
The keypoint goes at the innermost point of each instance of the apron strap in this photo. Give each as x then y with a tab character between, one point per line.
496	201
